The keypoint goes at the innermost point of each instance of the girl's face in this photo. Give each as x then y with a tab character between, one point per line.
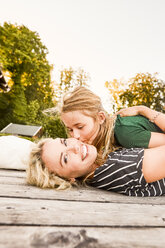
81	126
69	158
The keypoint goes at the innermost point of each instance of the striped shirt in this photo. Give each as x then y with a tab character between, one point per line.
122	173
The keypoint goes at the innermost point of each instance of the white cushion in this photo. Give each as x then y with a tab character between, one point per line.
14	152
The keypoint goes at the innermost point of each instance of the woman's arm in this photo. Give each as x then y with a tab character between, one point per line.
157	139
156	117
154	164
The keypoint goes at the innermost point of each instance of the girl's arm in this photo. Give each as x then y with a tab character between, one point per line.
157	139
154	164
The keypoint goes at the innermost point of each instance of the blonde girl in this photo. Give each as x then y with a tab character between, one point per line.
86	119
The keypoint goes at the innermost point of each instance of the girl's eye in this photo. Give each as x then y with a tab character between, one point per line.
70	130
80	127
65	142
65	158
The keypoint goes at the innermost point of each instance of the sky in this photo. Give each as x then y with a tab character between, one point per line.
106	38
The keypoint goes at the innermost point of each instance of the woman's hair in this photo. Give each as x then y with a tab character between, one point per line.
39	175
83	99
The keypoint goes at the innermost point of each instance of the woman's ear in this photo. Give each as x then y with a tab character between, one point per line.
101	117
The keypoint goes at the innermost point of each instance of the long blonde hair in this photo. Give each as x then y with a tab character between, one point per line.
39	175
83	99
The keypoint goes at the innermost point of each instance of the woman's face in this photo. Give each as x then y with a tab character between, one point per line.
81	126
69	158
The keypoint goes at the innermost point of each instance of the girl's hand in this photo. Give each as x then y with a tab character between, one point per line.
131	111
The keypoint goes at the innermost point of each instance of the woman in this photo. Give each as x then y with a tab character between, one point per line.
85	118
58	163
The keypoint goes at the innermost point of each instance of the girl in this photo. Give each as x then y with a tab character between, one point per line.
58	163
85	118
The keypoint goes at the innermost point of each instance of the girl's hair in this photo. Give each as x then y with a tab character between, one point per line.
39	175
84	100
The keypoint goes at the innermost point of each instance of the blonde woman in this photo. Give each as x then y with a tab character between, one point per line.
59	163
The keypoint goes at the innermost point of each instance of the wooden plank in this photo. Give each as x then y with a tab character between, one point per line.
69	213
12	173
58	237
12	181
21	189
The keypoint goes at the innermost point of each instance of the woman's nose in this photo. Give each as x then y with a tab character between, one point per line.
74	148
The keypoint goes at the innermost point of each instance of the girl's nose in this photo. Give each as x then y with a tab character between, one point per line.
76	134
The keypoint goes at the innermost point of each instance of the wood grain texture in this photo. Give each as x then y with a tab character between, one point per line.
31	217
72	237
21	189
74	213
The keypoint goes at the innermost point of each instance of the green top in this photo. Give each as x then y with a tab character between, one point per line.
134	131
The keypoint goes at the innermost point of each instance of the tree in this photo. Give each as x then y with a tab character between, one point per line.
69	79
145	89
53	127
24	56
115	89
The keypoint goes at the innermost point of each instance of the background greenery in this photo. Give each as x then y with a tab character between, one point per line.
23	58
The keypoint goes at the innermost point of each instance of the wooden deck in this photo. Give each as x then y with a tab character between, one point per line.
79	218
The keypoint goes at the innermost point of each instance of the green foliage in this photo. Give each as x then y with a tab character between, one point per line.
23	56
18	104
4	102
32	112
5	110
145	89
69	79
22	51
53	127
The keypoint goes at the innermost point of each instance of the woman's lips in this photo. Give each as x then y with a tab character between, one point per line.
84	151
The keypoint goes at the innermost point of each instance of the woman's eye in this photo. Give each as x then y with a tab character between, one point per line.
65	158
65	142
